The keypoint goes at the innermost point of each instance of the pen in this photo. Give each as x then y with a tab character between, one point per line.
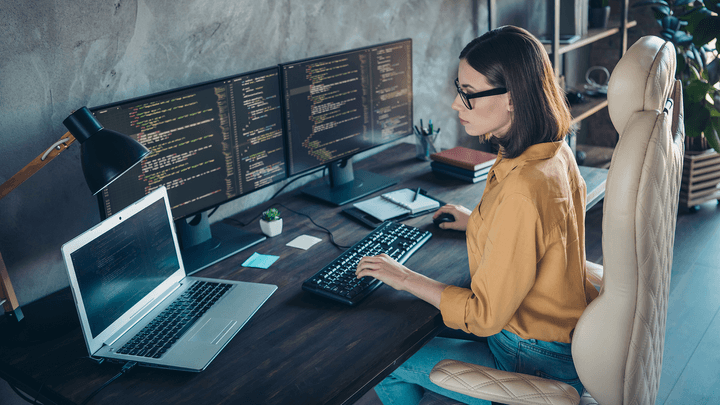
416	194
430	129
421	127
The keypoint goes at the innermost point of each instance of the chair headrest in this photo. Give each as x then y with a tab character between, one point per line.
642	80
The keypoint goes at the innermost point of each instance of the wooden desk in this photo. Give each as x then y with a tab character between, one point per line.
298	348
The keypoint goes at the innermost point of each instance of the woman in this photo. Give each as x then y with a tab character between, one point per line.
526	238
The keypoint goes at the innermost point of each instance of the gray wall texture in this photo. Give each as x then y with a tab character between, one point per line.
57	56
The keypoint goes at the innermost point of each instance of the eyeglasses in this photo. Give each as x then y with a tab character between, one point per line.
467	97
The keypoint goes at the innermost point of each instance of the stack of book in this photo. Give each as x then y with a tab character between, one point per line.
463	163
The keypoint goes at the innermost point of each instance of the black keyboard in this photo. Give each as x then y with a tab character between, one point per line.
162	332
337	280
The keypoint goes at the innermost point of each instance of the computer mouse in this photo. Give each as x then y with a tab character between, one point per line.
444	217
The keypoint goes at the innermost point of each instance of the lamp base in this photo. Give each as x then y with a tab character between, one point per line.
15	316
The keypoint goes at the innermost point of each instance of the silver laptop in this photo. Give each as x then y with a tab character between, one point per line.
127	276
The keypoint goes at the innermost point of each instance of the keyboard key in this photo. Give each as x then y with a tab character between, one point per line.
337	279
167	328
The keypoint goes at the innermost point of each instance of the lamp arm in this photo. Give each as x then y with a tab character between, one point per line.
36	164
7	294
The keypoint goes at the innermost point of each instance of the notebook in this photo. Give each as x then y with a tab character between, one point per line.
438	166
397	203
466	158
470	179
127	270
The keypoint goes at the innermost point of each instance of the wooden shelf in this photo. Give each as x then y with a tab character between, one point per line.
593	35
581	111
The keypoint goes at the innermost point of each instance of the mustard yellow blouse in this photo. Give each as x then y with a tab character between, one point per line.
526	249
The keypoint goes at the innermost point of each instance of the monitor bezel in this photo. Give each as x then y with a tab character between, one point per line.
330	55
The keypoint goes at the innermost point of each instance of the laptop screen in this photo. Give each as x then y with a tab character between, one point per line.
120	267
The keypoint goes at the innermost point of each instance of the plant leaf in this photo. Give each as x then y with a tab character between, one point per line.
681	65
695	90
699	58
650	2
713	5
692	17
681	38
711	134
696	119
681	3
661	11
706	30
713	70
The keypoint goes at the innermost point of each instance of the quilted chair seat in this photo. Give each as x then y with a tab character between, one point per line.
618	342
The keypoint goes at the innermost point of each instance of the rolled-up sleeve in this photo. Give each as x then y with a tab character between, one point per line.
503	269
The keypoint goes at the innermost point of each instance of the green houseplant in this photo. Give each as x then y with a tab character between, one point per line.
693	26
271	222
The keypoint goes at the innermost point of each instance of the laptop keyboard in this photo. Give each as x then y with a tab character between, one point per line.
159	335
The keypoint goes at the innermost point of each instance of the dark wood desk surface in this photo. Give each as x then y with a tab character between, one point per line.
298	348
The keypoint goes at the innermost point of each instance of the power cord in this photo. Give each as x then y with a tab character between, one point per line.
281	188
332	238
297	178
127	367
24	397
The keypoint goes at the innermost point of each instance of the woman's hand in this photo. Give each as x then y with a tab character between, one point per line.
385	269
461	214
399	277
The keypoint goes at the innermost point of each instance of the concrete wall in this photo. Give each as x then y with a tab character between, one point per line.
58	56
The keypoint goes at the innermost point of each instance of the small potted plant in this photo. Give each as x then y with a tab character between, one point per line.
271	223
599	13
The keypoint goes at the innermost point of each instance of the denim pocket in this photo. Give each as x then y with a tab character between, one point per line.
554	365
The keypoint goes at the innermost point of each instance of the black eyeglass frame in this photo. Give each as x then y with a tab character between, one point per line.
467	97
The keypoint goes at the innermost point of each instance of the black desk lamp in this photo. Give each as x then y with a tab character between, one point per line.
105	156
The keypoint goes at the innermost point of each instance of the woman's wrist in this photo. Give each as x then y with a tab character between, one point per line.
424	287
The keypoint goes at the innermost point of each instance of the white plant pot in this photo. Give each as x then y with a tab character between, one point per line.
271	228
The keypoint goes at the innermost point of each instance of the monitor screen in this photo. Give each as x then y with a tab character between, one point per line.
342	104
209	143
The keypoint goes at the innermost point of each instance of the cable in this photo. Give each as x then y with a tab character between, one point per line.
24	397
213	211
280	190
297	178
127	367
332	238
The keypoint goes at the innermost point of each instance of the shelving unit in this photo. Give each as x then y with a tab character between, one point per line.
617	26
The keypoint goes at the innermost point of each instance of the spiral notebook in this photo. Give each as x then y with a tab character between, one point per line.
397	203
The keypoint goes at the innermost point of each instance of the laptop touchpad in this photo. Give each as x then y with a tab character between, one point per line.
213	331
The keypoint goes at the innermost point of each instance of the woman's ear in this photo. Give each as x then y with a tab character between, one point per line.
510	106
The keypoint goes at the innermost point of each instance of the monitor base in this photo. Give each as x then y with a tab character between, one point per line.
363	184
226	241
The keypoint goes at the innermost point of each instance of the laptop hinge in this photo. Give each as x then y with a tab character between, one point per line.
141	314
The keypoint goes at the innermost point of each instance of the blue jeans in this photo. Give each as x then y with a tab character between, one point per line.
504	351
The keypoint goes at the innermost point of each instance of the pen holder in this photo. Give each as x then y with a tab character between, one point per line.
424	146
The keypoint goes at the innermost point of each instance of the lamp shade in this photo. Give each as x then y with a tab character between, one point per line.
105	154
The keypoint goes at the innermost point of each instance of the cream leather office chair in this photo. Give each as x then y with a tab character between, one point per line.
618	342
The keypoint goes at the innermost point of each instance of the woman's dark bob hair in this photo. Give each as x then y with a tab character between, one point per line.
513	58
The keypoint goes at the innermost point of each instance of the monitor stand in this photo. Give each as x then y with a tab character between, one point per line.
203	245
347	185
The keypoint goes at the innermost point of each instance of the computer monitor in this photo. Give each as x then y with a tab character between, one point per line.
339	105
209	143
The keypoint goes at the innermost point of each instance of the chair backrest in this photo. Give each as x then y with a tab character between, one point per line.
618	342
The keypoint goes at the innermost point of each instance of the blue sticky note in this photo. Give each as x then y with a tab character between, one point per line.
260	261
